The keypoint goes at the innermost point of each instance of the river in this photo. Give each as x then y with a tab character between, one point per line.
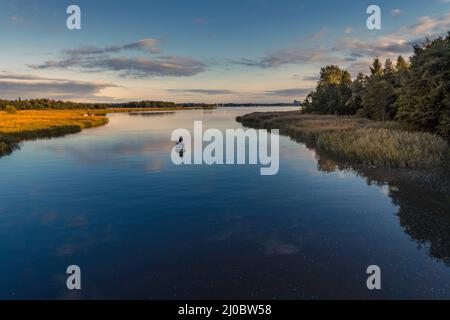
110	200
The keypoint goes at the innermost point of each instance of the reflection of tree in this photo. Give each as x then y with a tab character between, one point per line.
423	198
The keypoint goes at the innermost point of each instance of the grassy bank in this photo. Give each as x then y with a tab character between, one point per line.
36	124
363	141
18	126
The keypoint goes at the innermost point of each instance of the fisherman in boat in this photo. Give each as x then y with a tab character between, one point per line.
180	147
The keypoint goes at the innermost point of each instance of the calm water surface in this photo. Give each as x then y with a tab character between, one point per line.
110	200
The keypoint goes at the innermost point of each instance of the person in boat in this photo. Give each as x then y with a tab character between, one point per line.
180	147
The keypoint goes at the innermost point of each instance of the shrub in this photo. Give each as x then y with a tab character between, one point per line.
10	109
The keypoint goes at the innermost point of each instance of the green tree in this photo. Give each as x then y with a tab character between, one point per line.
354	103
402	64
424	97
376	69
380	94
332	92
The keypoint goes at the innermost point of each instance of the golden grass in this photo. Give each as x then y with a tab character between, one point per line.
31	120
384	144
36	124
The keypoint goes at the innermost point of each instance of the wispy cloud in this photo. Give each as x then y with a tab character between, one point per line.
103	59
396	13
289	56
384	45
428	26
28	86
17	20
200	20
294	92
146	45
204	91
353	52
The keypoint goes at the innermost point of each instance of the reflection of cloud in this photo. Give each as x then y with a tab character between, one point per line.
110	153
155	165
275	247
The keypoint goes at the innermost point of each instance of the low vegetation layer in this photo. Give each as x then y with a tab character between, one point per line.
16	127
358	140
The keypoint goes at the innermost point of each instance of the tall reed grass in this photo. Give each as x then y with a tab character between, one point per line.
384	144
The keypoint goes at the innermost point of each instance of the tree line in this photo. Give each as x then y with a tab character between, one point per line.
414	92
41	104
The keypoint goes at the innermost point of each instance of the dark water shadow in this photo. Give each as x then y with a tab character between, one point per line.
423	198
422	195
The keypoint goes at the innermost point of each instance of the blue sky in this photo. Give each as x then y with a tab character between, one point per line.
199	50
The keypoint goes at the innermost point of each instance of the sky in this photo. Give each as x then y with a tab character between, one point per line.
208	51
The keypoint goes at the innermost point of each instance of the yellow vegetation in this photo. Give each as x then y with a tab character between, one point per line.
36	124
30	120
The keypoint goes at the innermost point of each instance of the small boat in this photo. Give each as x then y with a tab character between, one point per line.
179	147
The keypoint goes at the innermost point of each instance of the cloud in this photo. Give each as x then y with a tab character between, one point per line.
429	27
28	86
200	20
382	46
396	13
318	35
295	92
311	78
204	91
103	59
146	45
18	20
353	52
289	56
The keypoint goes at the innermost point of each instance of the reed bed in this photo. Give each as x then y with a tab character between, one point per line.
358	140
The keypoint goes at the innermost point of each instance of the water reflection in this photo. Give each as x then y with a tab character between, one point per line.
423	198
151	113
111	200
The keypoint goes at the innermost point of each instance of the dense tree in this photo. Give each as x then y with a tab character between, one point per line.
402	65
378	98
376	69
380	94
354	104
334	89
424	97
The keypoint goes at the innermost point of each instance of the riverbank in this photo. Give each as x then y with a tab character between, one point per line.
43	124
357	140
